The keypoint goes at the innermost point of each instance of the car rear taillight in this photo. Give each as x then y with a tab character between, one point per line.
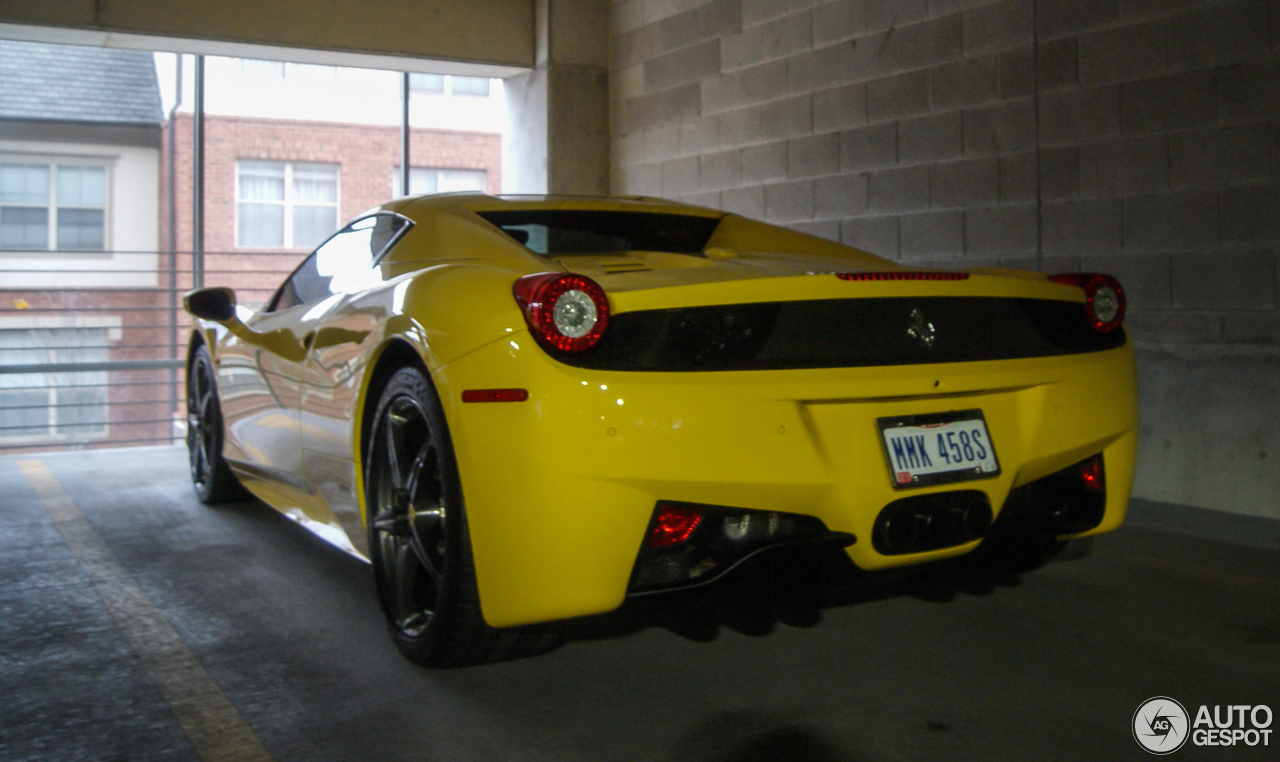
565	311
673	524
1092	475
1104	300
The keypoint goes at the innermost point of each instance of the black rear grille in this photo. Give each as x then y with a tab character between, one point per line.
842	333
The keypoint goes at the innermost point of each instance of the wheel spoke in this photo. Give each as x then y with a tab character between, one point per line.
202	379
428	563
426	458
406	577
393	456
197	461
206	411
428	522
392	524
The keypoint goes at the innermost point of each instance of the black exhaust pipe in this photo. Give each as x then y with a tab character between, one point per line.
929	522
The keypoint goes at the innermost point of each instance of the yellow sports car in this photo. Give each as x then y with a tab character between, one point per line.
527	409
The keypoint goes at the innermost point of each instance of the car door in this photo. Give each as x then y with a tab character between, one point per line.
261	378
332	372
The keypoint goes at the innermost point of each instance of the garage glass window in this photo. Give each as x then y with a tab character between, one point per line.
291	205
52	207
51	404
437	180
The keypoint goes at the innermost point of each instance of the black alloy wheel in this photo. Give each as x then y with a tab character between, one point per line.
410	525
210	475
417	536
419	544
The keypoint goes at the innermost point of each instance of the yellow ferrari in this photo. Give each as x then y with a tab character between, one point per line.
528	409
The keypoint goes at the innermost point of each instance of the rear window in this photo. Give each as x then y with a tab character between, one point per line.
561	232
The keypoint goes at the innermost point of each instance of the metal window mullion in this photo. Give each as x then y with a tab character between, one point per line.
337	194
239	201
51	233
288	205
106	205
197	134
405	134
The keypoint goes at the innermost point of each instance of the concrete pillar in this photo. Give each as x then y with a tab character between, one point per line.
557	137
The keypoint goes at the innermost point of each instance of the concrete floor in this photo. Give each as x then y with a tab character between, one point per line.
1049	666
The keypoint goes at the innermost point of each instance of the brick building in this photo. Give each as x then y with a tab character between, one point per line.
90	285
80	285
358	163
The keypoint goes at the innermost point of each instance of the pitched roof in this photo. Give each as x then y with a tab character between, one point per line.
70	83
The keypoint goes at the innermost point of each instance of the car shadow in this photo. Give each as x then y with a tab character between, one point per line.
790	587
795	588
750	736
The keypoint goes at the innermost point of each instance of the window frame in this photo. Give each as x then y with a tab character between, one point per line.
52	162
287	202
53	432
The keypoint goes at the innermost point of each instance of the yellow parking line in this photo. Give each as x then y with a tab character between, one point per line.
215	728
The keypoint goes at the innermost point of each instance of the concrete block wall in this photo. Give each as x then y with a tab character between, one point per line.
1137	137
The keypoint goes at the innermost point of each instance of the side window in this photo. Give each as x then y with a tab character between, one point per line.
343	264
386	231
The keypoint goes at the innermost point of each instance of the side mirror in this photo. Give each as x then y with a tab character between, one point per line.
217	303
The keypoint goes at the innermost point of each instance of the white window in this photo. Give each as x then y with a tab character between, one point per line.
285	204
57	405
252	68
470	86
313	72
52	207
433	180
426	83
457	85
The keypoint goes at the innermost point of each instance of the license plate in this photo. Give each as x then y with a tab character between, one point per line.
938	448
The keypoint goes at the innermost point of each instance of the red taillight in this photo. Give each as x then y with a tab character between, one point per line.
673	525
1091	473
495	395
565	311
914	275
1104	300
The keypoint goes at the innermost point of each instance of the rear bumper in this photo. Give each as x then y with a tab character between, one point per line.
560	488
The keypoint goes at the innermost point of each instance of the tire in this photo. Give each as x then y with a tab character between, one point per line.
212	478
419	544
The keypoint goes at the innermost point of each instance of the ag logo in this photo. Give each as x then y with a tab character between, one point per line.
1160	725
